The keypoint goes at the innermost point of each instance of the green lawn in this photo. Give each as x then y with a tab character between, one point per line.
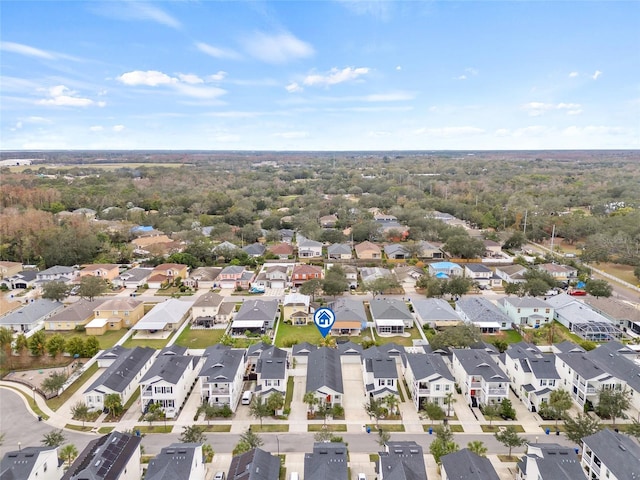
104	430
404	341
291	334
153	428
392	427
217	428
131	342
78	428
108	340
56	402
333	427
277	427
199	338
454	428
494	428
289	395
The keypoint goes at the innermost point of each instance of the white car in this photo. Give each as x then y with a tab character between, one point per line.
362	476
219	476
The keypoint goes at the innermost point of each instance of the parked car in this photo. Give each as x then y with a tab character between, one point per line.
219	476
362	476
578	293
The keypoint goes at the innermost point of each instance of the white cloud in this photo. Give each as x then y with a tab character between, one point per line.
335	76
278	48
378	134
593	130
217	52
389	97
535	109
472	71
449	132
596	74
290	135
96	128
380	9
461	77
117	128
573	74
217	77
398	68
150	78
190	78
26	50
147	11
203	92
294	88
136	10
61	96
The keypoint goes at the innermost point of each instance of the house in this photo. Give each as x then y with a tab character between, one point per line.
618	312
106	271
210	308
408	274
401	461
396	251
430	251
466	465
134	278
256	464
380	373
529	311
32	463
327	462
165	316
114	314
155	241
173	461
512	273
368	251
483	314
561	273
388	224
57	273
282	250
428	379
275	276
23	280
328	221
482	275
339	251
234	277
166	273
9	269
296	309
32	316
445	270
203	277
300	352
610	455
369	274
324	376
121	377
286	235
221	376
255	316
255	250
225	248
582	320
435	312
481	380
308	248
168	382
549	461
272	368
491	248
391	316
77	314
302	273
351	317
351	274
350	352
115	456
533	374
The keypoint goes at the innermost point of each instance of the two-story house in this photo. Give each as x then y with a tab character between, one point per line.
610	455
167	273
272	369
512	273
297	309
428	378
529	311
177	461
401	460
58	274
562	273
308	248
235	276
256	464
32	463
221	376
467	465
324	375
168	381
203	277
481	380
114	314
133	278
327	462
303	273
549	461
106	271
380	373
482	275
275	276
210	308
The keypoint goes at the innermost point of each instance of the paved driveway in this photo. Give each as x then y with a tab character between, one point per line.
354	397
298	415
294	462
361	463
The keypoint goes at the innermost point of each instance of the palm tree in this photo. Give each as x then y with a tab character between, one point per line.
477	447
328	341
69	453
449	400
311	400
392	403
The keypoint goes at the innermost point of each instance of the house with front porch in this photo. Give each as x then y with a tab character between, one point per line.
481	380
339	251
221	377
168	382
173	461
308	248
428	379
533	374
390	316
483	314
380	373
302	273
549	461
272	369
297	309
351	317
610	455
210	309
527	311
203	277
368	251
324	375
257	316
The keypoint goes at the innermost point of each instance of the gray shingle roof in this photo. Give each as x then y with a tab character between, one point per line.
339	249
434	309
19	464
619	452
169	368
303	349
531	358
389	309
466	465
324	370
31	313
403	461
327	462
209	299
379	363
264	310
525	302
554	462
272	364
124	369
481	310
79	311
477	267
255	464
428	365
479	363
345	309
172	462
221	363
349	348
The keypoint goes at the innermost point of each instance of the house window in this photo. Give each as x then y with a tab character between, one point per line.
437	388
446	388
535	309
547	310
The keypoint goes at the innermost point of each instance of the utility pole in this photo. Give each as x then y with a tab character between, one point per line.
525	222
553	234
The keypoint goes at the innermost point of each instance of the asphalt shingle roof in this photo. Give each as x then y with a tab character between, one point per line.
466	465
619	452
324	370
123	370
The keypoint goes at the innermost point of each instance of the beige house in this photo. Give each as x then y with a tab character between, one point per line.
368	250
8	269
115	314
106	271
77	314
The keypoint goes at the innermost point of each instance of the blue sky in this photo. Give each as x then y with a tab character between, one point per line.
319	75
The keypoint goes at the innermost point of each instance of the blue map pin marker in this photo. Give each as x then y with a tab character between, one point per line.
324	318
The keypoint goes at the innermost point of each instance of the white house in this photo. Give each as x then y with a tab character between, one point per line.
482	275
308	248
380	373
32	463
481	380
609	455
428	378
272	368
221	376
324	375
529	311
391	316
173	462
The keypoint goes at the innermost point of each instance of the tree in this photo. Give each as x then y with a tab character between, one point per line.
580	426
515	241
91	287
192	434
491	411
477	447
22	343
536	287
6	340
69	453
443	444
248	440
335	283
460	336
113	403
54	382
311	287
55	345
75	346
275	401
380	285
391	401
514	288
383	437
560	401
323	435
54	438
636	272
449	400
598	288
56	291
464	246
328	341
91	347
633	429
154	413
259	408
509	437
207	453
374	409
613	403
38	343
506	409
80	411
458	286
433	411
311	400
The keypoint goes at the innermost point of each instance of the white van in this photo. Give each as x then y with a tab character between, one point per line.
246	397
294	476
